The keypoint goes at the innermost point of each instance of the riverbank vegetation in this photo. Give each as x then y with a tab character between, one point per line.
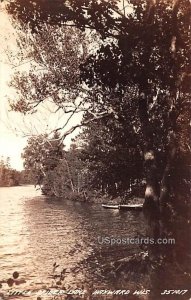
85	171
127	71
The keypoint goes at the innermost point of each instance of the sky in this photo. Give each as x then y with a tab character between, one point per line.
15	128
11	144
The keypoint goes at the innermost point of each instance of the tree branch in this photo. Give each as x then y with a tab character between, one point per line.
82	124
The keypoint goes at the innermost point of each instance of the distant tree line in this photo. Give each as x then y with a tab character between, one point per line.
11	177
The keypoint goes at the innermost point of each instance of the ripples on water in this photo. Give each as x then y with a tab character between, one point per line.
35	232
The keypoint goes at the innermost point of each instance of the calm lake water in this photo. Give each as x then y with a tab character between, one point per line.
36	232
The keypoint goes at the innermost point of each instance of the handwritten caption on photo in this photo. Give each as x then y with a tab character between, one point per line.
80	292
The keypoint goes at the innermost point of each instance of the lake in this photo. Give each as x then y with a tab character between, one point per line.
36	232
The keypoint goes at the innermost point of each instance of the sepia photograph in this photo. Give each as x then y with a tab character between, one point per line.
95	149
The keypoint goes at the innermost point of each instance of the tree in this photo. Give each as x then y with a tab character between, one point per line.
49	84
25	177
111	149
41	156
55	170
147	51
53	75
8	176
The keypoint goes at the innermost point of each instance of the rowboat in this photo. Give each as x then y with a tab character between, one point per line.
123	206
112	206
131	206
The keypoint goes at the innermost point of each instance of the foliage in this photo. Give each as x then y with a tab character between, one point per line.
57	171
8	176
53	76
41	156
145	51
111	150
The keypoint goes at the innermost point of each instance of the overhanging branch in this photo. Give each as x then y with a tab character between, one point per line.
82	124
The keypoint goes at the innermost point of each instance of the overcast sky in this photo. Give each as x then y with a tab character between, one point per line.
10	144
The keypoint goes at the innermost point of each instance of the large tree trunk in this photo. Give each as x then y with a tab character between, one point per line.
167	208
150	159
152	190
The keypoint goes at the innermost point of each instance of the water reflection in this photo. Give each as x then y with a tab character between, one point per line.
13	236
36	232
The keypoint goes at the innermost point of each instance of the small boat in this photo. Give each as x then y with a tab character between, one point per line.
112	206
123	206
131	206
